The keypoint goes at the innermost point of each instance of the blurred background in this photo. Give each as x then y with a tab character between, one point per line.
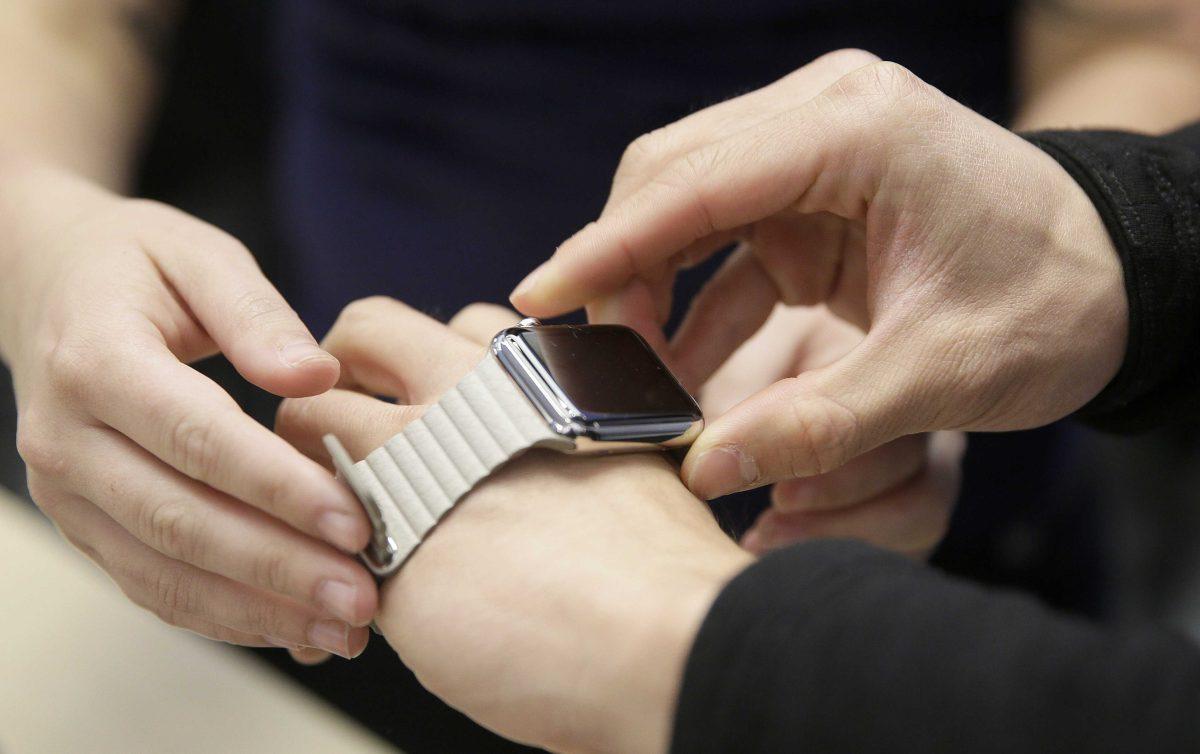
468	138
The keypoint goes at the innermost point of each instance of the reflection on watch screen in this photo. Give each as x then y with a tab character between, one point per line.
608	370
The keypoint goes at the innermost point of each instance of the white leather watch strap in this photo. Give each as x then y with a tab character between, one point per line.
409	483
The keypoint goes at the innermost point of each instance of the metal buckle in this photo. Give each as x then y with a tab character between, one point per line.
380	556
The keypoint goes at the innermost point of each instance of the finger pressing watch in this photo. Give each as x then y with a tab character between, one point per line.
571	388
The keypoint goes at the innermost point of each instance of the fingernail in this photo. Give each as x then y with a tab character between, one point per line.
332	636
526	285
722	470
339	598
300	353
340	530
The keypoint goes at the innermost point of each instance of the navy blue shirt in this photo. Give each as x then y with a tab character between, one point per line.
436	150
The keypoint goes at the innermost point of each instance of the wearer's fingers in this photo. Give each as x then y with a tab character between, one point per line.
728	184
179	593
725	313
188	422
190	522
480	322
862	478
794	339
360	421
791	257
256	329
389	348
810	424
648	155
910	519
699	251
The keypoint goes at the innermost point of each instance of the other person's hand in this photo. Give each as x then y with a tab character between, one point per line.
198	513
991	294
557	602
898	496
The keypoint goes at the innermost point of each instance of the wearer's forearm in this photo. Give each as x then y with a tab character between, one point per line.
77	80
1126	65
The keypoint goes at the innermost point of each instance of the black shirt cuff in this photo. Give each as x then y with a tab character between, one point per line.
1147	190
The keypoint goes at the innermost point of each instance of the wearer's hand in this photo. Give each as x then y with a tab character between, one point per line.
557	602
199	513
898	496
990	292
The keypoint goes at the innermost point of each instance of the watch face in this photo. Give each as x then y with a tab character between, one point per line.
603	377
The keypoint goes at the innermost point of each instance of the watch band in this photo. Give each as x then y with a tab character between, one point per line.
410	482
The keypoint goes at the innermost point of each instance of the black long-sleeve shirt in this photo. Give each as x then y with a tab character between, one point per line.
838	647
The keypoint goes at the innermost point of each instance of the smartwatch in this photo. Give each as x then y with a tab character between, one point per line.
572	388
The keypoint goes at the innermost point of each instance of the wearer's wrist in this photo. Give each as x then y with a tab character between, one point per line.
647	624
652	638
628	562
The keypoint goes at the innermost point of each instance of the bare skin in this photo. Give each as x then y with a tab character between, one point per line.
197	512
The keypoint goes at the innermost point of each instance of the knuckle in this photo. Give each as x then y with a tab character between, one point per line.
272	572
267	617
883	79
357	316
688	175
37	447
71	365
644	151
87	548
193	441
848	59
826	435
692	167
280	494
260	309
175	593
171	527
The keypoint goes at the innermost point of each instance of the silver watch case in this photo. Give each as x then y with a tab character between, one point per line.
593	433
